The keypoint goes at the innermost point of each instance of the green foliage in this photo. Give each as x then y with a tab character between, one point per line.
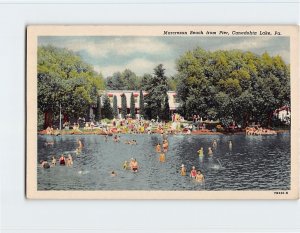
107	111
166	115
132	106
142	104
98	114
157	87
127	80
232	85
115	107
124	106
63	78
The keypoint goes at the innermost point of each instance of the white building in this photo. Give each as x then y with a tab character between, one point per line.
118	93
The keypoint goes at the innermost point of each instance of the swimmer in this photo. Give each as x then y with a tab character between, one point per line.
49	143
199	176
162	157
183	170
158	148
125	165
113	174
230	144
214	144
70	159
165	145
135	166
210	151
53	162
45	164
193	172
200	152
80	145
62	160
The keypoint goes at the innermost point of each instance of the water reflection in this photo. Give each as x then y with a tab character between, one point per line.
251	163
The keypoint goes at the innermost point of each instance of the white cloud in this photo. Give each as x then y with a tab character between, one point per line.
117	46
139	66
250	44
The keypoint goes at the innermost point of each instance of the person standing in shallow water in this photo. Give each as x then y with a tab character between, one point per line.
193	172
230	145
162	157
199	176
210	152
183	170
158	148
200	152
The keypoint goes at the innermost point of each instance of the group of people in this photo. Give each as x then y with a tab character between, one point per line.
259	131
195	174
63	161
132	165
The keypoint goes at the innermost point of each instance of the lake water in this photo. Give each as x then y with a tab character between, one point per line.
253	163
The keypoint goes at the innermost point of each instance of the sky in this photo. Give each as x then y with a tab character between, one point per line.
142	54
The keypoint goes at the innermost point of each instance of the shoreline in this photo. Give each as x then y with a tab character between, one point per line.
196	132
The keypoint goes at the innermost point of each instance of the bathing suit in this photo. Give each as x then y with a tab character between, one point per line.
193	173
134	169
62	162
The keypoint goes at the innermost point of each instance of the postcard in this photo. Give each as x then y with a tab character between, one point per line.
162	112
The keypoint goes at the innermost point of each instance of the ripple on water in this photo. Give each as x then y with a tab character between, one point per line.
253	163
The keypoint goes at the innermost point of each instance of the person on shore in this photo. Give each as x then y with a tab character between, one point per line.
62	160
162	158
193	172
199	176
210	152
200	152
158	148
135	166
53	162
45	164
183	170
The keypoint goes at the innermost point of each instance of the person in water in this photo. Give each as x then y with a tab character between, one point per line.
113	174
158	148
53	162
230	144
134	166
183	170
214	144
62	160
70	159
80	145
200	152
199	176
125	165
193	172
162	157
45	164
165	145
210	152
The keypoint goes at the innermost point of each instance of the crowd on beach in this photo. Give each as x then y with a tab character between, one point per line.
178	125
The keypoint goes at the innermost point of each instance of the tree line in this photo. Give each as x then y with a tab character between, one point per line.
230	86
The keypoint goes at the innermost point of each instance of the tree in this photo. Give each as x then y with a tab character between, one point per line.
124	106
63	79
232	85
107	110
132	106
157	87
115	107
166	109
142	106
98	114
